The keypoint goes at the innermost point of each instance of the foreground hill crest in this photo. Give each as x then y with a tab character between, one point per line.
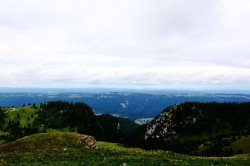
56	141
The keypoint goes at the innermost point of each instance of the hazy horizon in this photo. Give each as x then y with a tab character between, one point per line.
103	90
134	44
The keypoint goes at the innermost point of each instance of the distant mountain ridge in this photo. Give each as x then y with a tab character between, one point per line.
133	105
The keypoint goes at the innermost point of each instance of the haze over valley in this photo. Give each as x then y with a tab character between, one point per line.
133	104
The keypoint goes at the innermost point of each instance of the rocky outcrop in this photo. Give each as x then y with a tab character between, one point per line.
162	125
87	142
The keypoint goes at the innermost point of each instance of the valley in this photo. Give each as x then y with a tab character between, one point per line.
213	130
133	105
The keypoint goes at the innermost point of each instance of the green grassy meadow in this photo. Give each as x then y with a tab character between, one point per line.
61	148
242	144
26	114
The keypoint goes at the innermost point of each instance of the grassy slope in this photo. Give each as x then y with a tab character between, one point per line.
242	144
56	141
61	149
24	112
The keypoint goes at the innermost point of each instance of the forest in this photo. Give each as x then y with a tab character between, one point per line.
64	116
210	129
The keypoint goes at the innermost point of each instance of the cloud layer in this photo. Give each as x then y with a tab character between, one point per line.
133	43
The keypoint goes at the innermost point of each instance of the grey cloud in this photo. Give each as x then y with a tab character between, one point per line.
134	42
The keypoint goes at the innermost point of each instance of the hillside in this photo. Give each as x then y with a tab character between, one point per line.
17	122
64	149
56	141
197	128
193	128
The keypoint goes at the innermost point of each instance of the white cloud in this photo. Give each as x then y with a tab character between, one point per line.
125	43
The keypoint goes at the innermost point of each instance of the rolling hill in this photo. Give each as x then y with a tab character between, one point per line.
64	149
78	117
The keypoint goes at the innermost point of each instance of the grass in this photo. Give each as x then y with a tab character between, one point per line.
61	148
242	144
55	141
25	114
26	117
109	145
2	141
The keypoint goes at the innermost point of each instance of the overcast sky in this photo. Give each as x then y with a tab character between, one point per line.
186	44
